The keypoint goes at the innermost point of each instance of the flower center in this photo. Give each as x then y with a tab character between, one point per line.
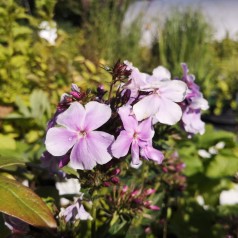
157	91
135	135
82	134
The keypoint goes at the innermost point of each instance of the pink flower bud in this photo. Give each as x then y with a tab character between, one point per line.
75	87
135	193
148	230
115	180
124	189
154	208
165	170
106	184
137	201
116	171
150	191
148	205
180	167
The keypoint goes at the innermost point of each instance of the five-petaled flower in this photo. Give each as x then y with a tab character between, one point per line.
139	136
161	103
76	131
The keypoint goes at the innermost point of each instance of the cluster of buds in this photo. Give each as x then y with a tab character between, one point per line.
126	200
173	172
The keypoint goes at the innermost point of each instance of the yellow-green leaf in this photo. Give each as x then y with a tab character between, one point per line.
6	162
90	66
19	201
7	142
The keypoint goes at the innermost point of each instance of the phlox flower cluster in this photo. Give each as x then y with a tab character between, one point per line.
85	133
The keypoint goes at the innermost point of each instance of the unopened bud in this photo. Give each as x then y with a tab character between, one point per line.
148	205
75	88
165	170
149	191
116	171
124	189
135	193
115	180
106	184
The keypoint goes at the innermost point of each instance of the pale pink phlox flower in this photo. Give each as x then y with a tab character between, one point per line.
195	102
75	211
161	103
138	136
76	131
194	96
136	80
192	121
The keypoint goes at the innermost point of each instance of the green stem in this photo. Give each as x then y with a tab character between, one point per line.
165	228
165	218
94	224
94	215
110	91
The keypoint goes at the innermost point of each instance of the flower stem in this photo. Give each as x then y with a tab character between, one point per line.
165	218
165	227
110	91
94	215
94	225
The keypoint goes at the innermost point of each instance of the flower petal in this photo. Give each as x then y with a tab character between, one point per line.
169	112
192	122
83	214
151	153
147	107
98	145
81	157
122	144
145	130
136	162
129	122
199	103
73	117
161	73
59	140
174	90
96	115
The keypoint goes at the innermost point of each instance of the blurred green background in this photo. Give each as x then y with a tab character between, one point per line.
34	73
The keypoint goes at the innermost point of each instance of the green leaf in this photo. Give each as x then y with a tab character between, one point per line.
188	153
6	162
7	142
70	171
90	66
212	136
224	164
19	201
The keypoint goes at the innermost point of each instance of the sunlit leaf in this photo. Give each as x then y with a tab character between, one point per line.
7	142
19	201
6	162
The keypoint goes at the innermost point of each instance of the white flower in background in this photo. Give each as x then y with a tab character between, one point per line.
48	31
201	202
70	186
212	150
229	197
220	145
204	154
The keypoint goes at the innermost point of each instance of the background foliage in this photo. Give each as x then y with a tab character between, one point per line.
34	73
